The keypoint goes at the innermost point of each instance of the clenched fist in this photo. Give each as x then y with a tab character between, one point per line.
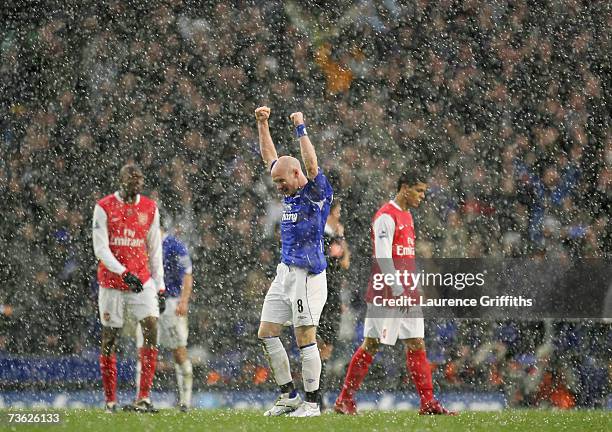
298	118
262	114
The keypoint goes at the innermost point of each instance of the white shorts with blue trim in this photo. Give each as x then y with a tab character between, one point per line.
295	297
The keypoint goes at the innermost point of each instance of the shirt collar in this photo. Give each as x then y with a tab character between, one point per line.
118	196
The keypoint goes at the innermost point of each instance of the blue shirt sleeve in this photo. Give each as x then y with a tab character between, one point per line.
184	260
318	189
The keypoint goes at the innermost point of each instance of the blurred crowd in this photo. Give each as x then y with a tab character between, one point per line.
505	103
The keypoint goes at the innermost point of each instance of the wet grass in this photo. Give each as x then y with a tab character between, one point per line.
91	420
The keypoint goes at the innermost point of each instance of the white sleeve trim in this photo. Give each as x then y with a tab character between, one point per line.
384	231
154	248
101	243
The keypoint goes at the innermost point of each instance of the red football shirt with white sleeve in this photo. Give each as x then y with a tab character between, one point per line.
127	237
393	242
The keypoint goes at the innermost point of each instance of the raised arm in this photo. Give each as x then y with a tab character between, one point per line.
266	146
309	156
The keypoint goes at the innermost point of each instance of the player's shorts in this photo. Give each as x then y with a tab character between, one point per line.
172	330
112	304
392	327
295	296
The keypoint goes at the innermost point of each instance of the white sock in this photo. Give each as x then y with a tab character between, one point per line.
311	367
184	381
138	369
277	357
180	383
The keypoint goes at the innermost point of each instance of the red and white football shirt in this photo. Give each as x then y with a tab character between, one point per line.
393	243
127	237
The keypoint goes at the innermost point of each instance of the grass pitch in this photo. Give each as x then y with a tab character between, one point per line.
91	420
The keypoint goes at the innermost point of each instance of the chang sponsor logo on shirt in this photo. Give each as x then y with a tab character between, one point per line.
290	217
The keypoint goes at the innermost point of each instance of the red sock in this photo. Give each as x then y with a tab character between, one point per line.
148	360
357	370
420	371
108	367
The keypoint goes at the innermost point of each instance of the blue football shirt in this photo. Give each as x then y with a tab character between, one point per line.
176	264
303	224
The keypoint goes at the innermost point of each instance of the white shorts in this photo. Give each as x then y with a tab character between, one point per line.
390	328
112	303
295	296
172	330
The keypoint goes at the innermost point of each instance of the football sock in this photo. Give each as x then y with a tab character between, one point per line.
184	381
137	378
289	388
279	362
420	371
357	370
108	368
148	359
311	371
313	396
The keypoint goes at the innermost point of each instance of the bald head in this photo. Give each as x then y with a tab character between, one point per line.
285	163
287	175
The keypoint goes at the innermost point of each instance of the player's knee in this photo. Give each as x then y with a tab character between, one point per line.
267	330
149	323
370	345
414	344
306	335
149	334
180	355
109	341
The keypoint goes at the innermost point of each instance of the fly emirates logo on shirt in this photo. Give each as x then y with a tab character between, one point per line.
401	250
127	239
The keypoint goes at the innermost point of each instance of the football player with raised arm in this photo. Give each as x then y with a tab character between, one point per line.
299	290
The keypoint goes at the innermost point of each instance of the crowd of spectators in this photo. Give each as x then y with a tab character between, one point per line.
507	103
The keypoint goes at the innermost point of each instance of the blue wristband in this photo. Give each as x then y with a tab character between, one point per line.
300	131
